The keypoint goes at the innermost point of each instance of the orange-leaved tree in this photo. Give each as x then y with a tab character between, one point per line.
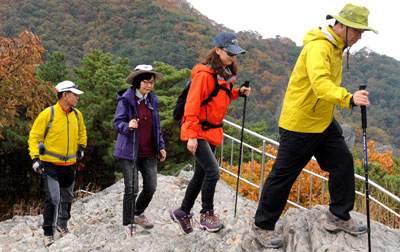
21	95
302	196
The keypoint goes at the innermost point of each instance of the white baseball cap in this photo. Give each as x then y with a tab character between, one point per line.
67	85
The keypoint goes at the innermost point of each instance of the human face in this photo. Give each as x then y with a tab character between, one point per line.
71	99
353	35
226	59
146	86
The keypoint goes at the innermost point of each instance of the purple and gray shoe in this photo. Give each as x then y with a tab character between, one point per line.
210	222
183	219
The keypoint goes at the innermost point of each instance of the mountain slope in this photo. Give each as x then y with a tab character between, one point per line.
172	31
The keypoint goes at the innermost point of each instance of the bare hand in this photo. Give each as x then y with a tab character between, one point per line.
192	145
360	98
133	124
163	155
245	90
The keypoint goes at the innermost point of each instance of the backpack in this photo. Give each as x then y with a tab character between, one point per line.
42	149
179	108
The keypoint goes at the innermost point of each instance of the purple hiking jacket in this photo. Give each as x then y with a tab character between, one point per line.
125	111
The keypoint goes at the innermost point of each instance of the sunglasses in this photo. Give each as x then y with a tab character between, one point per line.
228	52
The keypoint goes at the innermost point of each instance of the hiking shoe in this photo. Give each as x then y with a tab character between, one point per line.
184	220
210	222
130	232
142	221
63	230
48	240
334	224
267	238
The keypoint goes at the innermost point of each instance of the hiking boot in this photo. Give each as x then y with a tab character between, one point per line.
210	222
184	220
142	221
48	240
267	238
130	232
334	224
63	230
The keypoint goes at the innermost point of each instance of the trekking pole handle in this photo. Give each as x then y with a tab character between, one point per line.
246	84
363	110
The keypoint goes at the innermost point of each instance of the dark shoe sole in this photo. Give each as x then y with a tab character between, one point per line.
334	229
255	234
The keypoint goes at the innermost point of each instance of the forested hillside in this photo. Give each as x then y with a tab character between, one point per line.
96	43
173	32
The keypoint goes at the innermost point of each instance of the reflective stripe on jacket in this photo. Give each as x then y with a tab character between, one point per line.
63	137
214	112
314	86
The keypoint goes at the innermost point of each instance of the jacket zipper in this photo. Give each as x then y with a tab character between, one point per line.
315	105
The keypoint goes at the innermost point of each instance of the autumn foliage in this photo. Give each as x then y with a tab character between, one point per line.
20	92
314	191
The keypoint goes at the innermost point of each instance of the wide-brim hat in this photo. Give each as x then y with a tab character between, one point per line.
139	69
354	16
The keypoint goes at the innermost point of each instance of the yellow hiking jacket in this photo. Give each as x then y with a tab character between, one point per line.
63	137
314	86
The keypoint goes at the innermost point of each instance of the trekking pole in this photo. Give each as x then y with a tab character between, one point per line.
364	128
246	84
134	180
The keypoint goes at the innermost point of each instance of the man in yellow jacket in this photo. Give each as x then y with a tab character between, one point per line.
57	141
307	127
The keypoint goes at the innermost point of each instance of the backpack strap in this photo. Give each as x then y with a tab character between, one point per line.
76	114
51	121
216	90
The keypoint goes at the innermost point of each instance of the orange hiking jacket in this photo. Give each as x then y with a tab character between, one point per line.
214	112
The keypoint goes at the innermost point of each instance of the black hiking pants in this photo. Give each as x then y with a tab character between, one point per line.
205	178
59	182
295	151
148	168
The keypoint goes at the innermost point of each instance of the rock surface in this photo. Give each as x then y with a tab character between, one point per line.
348	134
96	226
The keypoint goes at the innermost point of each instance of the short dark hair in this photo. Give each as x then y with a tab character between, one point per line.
144	76
59	94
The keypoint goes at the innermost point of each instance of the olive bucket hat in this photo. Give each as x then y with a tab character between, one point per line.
353	16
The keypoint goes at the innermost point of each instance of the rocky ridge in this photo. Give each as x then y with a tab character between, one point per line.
96	226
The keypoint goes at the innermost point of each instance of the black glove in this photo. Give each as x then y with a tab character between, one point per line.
37	165
81	152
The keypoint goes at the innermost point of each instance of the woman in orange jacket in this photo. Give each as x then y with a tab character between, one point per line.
202	127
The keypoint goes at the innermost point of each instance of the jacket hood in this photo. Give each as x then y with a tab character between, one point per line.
201	68
323	34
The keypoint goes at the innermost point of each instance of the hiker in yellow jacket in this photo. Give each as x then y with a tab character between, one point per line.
57	141
307	127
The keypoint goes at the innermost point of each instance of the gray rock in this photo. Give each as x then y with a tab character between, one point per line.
348	134
96	225
381	148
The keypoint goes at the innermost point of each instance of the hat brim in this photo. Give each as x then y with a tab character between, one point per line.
76	91
129	80
235	49
351	24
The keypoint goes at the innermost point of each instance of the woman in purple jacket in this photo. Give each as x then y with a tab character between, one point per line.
137	117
